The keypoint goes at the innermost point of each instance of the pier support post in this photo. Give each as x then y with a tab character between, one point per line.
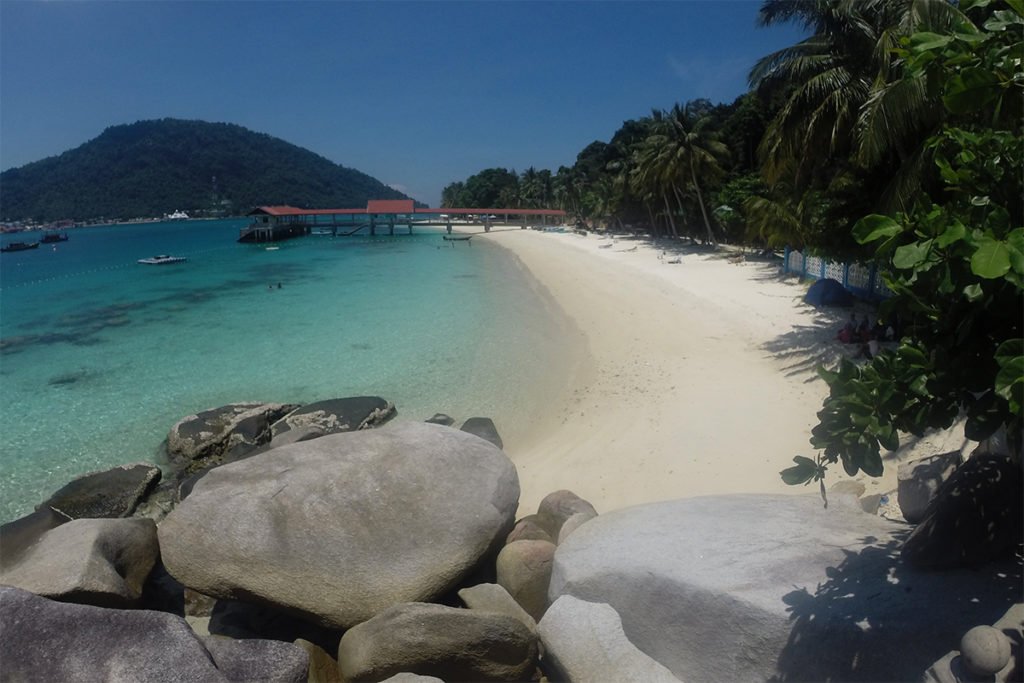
373	226
391	226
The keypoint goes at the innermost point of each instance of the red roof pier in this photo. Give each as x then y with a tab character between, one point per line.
273	223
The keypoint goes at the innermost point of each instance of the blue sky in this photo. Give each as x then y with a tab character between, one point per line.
416	94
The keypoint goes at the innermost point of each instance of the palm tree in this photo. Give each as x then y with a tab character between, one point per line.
681	155
842	88
529	188
566	187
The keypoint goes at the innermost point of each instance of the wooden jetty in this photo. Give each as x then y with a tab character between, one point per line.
274	223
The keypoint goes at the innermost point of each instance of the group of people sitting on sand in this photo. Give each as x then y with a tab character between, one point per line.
866	335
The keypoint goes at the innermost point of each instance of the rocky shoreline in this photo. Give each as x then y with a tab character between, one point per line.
318	542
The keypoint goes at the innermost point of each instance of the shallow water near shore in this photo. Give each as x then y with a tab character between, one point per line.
102	355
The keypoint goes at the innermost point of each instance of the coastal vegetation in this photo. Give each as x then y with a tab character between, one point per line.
892	133
151	168
954	259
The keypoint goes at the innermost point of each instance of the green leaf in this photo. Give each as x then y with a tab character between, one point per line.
973	292
1015	246
1017	6
925	40
971	90
802	473
872	464
889	439
1009	349
955	232
1009	374
991	260
1010	378
982	425
875	226
911	255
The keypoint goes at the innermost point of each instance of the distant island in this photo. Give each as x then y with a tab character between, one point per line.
152	168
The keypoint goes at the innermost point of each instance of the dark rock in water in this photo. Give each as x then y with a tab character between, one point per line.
337	415
223	434
976	516
337	529
101	562
441	419
57	641
484	428
21	534
109	493
434	640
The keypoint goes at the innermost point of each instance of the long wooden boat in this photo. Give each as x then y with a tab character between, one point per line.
20	246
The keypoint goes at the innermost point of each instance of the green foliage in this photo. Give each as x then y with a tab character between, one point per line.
150	168
488	189
955	263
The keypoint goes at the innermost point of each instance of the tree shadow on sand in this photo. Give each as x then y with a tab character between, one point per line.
877	619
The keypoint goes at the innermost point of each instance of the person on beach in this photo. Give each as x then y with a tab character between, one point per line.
847	333
864	331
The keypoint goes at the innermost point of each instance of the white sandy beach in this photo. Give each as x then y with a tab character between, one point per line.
691	378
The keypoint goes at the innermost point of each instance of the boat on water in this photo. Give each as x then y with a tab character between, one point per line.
176	216
20	246
53	236
162	260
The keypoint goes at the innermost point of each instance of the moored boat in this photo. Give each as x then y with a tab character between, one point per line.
52	236
161	260
20	246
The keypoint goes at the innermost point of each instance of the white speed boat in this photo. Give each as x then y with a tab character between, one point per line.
161	260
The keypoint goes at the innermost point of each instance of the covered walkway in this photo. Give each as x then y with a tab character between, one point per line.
273	223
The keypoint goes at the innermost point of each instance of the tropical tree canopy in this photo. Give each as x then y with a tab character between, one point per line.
954	260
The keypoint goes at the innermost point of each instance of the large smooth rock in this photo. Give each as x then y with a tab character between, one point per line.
336	415
45	640
977	516
101	562
18	536
258	660
222	434
109	493
323	667
559	506
758	587
338	529
435	640
956	666
524	570
583	641
490	597
919	481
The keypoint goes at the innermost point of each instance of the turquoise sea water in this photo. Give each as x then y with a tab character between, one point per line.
102	355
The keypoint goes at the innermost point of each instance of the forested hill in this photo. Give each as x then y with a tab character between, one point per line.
150	168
